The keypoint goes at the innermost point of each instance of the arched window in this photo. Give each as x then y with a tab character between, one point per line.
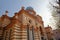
10	32
30	33
41	30
27	32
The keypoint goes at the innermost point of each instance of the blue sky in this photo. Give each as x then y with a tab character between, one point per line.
15	5
40	6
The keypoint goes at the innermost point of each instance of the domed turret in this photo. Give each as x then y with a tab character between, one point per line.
29	8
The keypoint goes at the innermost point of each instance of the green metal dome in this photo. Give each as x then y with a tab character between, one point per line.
29	8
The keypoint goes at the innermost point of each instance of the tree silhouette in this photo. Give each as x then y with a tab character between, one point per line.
56	12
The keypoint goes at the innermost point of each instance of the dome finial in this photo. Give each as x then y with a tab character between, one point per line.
6	12
22	7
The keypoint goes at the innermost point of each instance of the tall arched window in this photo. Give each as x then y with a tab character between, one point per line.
27	32
10	32
41	30
30	33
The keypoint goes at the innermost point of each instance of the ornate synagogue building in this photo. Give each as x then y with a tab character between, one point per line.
24	25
